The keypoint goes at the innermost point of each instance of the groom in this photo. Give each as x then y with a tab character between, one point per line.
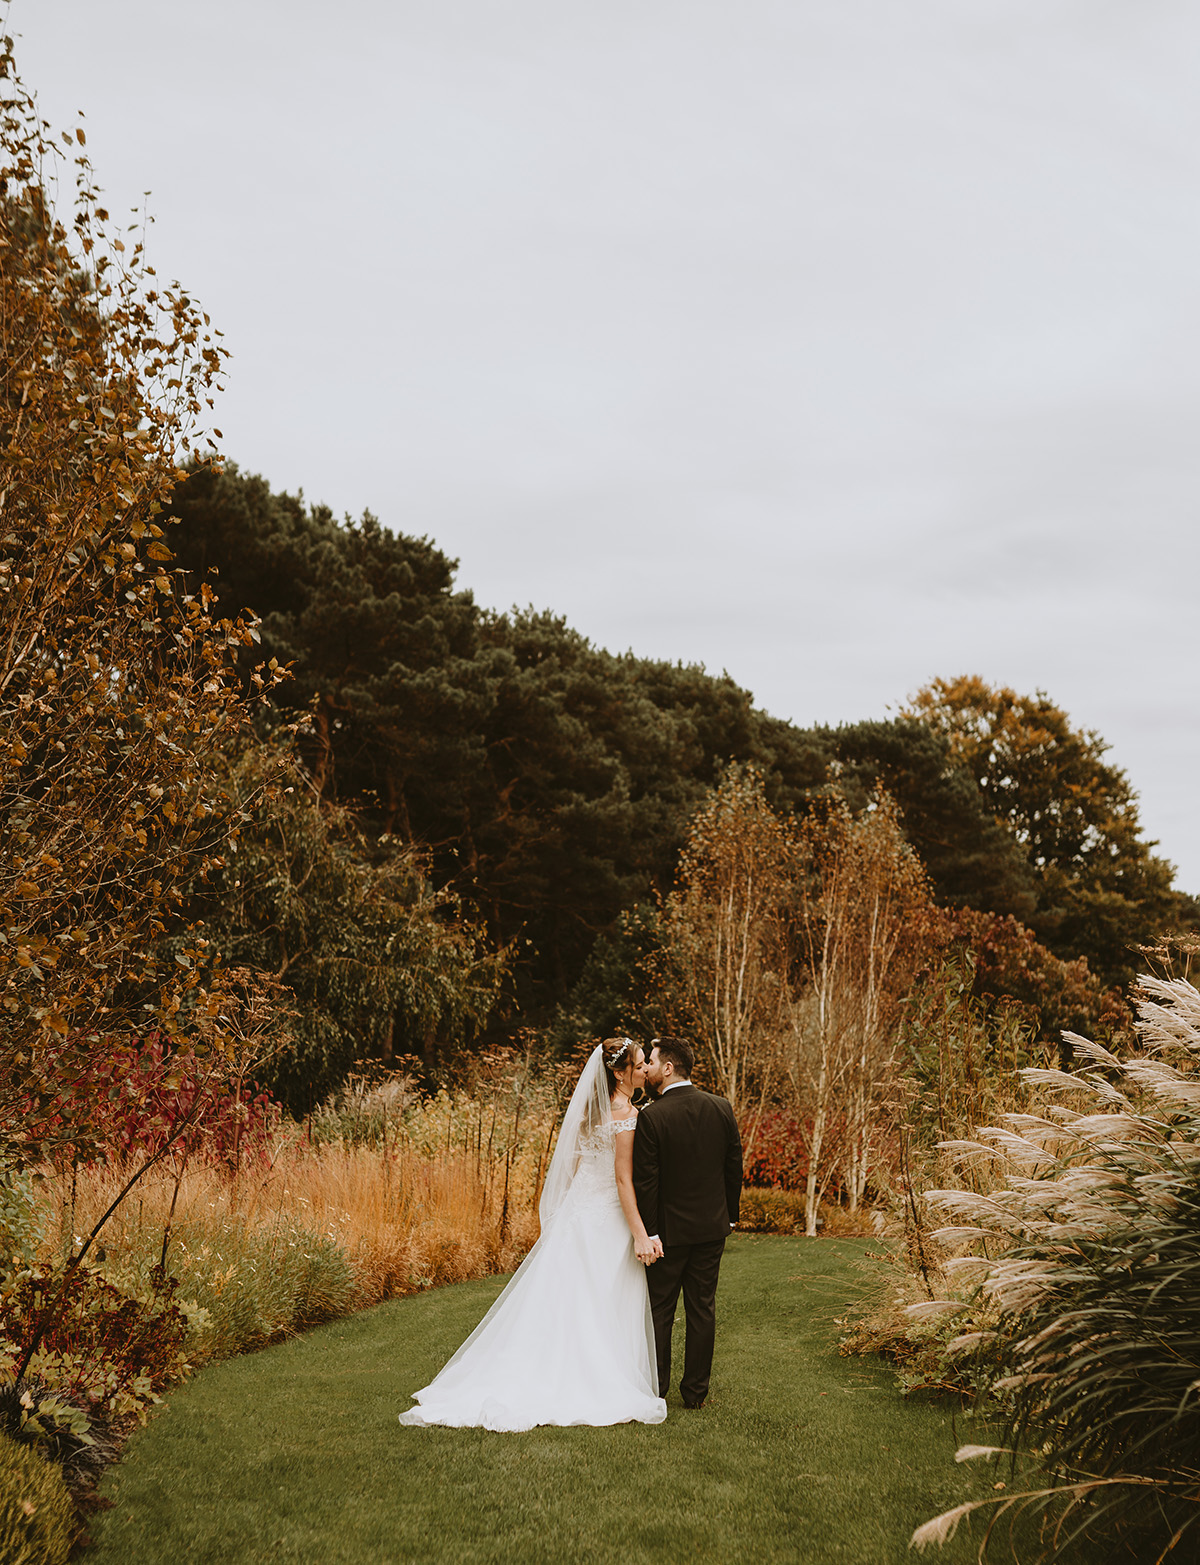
687	1176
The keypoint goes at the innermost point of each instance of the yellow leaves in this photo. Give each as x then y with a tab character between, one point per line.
110	699
79	136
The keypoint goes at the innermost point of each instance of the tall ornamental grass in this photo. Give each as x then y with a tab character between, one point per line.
1085	1263
381	1193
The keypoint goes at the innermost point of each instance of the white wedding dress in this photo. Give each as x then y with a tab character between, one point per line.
570	1340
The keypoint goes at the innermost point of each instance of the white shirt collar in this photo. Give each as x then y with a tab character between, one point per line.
671	1084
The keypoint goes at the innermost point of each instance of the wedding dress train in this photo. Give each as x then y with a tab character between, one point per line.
570	1340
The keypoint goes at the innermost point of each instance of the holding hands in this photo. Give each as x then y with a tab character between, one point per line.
648	1250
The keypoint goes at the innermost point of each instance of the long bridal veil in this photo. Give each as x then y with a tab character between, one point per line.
588	1112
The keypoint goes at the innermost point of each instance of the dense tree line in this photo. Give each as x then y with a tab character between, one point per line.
551	782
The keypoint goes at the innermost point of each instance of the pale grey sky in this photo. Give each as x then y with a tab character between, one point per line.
837	343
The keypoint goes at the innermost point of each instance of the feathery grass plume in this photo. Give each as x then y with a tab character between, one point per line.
942	1528
934	1309
1090	1291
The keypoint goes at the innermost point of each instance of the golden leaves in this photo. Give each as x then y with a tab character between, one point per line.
112	698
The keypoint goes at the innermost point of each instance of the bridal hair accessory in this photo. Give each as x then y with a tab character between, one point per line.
612	1059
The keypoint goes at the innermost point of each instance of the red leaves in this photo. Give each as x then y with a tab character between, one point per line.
135	1099
105	1342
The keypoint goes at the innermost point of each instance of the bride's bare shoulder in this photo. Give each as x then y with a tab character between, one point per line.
624	1115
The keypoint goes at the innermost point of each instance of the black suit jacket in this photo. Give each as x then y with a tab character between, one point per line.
687	1166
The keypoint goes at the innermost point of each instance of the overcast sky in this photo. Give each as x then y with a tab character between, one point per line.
836	343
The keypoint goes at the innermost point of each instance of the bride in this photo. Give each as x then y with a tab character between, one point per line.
570	1340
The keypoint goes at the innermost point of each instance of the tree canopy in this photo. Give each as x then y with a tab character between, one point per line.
1100	889
550	783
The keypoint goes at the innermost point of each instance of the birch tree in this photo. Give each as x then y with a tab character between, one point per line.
861	920
725	929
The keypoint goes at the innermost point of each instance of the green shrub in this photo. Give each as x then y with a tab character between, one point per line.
258	1286
772	1211
115	1341
22	1227
38	1524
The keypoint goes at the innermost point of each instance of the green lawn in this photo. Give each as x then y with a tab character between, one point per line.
294	1454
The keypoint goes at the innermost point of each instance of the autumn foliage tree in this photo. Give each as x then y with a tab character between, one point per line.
114	683
1100	889
786	948
864	926
725	929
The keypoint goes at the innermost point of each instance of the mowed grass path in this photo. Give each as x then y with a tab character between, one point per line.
294	1454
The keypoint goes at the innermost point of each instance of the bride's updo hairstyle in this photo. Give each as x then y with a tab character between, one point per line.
618	1055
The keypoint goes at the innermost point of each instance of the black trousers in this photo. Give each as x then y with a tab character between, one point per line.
691	1269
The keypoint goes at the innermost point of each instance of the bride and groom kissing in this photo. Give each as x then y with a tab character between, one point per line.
635	1212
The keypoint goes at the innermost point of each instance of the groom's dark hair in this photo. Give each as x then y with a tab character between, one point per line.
679	1052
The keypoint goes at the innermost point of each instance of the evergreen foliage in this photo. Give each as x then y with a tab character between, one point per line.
550	783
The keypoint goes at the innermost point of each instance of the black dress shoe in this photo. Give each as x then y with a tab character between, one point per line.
693	1406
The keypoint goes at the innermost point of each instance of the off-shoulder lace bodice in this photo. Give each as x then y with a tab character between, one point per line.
595	1172
600	1140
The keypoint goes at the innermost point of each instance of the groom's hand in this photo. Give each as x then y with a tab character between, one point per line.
647	1250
